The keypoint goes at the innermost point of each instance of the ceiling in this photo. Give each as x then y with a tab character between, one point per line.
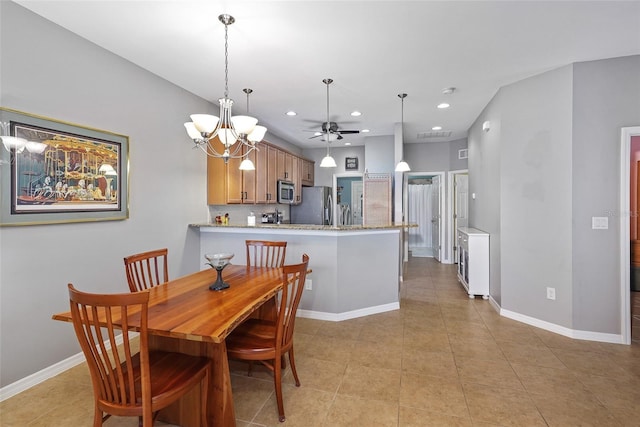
373	50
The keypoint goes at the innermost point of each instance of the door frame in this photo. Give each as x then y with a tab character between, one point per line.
444	220
625	233
334	192
451	194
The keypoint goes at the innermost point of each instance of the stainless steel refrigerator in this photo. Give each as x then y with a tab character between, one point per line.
315	208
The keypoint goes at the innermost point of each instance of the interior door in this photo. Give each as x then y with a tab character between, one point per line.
435	217
356	202
460	207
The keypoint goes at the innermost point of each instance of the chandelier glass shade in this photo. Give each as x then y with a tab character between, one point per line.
226	136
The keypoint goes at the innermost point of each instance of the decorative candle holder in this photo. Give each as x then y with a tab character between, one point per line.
219	262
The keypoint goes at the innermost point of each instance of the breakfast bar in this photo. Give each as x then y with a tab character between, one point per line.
356	269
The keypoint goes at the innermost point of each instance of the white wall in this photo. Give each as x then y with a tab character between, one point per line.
48	71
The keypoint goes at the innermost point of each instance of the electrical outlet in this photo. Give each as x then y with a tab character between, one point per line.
551	293
308	284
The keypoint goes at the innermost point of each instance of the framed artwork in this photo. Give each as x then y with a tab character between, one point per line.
56	172
351	163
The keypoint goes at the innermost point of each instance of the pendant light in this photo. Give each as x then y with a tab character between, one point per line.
402	166
207	130
328	161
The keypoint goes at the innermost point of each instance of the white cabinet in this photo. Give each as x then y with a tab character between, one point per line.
473	261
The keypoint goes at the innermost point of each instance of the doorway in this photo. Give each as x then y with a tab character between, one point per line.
347	196
424	208
458	208
628	213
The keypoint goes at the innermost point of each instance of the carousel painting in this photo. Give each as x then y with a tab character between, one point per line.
62	172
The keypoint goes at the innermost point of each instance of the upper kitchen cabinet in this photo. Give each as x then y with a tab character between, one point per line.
307	177
266	179
227	184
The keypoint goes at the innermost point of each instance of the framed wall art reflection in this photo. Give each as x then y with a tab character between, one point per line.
57	172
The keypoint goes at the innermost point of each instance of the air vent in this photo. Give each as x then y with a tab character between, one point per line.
434	134
463	154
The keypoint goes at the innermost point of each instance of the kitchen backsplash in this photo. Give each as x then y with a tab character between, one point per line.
238	213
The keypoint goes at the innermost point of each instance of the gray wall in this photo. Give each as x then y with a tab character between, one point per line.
606	98
49	71
549	163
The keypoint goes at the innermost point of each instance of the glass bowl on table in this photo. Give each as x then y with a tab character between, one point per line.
219	262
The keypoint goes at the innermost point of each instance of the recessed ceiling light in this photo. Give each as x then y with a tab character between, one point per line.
356	113
291	113
448	90
347	143
436	128
443	105
364	130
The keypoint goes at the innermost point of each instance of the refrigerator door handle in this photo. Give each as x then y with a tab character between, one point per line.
328	209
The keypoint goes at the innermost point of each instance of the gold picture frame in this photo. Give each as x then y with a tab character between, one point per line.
58	172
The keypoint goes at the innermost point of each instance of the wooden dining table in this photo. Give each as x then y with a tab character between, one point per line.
186	317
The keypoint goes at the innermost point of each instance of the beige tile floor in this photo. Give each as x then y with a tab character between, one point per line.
441	360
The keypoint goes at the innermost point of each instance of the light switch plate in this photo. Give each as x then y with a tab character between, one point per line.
599	223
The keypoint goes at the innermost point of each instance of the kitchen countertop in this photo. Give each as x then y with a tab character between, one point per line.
309	226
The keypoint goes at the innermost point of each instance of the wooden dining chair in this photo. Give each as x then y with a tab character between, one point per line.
265	253
267	341
146	269
127	383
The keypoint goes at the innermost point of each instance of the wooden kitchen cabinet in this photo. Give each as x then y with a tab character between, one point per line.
266	179
227	184
307	175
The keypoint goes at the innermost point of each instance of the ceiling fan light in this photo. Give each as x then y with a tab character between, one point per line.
204	123
244	124
402	166
247	165
328	162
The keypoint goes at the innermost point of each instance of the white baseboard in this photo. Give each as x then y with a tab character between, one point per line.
337	317
562	330
49	372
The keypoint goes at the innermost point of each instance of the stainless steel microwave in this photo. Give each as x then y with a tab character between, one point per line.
286	192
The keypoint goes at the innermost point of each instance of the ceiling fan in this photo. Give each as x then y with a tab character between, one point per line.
330	130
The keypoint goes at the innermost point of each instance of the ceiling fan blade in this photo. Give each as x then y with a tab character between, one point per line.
348	131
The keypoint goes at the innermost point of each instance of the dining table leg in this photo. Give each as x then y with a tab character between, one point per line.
220	406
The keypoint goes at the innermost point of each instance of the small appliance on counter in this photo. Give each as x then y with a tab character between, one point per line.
272	217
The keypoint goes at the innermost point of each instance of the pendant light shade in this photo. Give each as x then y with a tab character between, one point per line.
247	165
328	162
402	166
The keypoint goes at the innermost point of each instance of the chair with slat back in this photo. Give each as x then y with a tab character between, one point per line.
126	383
146	269
265	253
268	341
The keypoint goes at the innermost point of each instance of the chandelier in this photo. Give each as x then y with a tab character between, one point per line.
207	130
